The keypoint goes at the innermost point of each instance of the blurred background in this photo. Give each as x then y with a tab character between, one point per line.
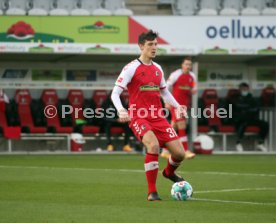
70	52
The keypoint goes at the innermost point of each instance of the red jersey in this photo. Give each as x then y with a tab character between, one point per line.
182	84
143	83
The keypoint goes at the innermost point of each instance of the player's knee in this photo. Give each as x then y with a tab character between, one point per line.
153	148
151	142
182	156
179	155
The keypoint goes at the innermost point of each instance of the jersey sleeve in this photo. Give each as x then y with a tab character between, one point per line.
173	78
163	84
125	76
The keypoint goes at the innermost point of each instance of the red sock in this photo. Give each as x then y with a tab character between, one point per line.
183	138
172	166
151	168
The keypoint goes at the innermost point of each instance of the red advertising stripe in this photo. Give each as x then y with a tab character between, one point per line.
135	29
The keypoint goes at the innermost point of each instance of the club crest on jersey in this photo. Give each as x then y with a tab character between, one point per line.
156	73
143	127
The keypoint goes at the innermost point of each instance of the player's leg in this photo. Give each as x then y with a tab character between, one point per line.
151	163
143	131
181	129
177	155
240	129
181	126
165	152
107	130
127	147
264	127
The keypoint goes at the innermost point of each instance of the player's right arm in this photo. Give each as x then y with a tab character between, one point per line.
173	78
121	83
115	97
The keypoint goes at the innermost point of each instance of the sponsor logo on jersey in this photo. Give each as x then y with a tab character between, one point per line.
149	88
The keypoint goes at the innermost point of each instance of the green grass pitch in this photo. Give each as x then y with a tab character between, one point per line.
112	188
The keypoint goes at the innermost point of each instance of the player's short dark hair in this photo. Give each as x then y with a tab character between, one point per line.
243	84
187	58
147	36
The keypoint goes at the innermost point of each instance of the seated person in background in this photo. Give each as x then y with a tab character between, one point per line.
113	121
3	99
246	113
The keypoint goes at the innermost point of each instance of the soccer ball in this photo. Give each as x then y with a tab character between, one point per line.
181	191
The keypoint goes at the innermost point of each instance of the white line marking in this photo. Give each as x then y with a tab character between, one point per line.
235	174
234	190
70	168
233	202
138	171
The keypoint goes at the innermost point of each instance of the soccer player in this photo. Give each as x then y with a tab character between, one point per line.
145	82
183	84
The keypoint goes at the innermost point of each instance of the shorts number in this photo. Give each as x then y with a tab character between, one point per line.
172	132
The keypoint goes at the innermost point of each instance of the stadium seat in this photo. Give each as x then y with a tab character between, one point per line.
269	11
268	97
76	100
117	7
184	7
203	129
3	6
40	7
250	12
117	130
49	97
232	95
210	99
86	7
253	7
63	7
256	4
23	100
123	11
270	8
227	129
209	7
18	7
99	96
8	131
101	11
3	118
231	7
252	129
